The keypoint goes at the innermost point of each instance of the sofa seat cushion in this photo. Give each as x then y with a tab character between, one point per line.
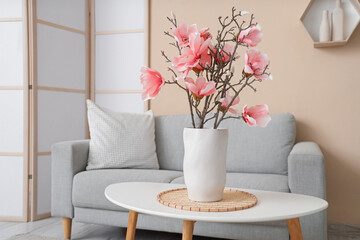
268	182
89	186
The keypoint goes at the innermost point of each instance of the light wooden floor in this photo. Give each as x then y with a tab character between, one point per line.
52	227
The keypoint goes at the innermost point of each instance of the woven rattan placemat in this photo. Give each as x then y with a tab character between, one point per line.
233	200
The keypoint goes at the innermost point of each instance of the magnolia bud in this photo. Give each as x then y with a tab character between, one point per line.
227	73
271	77
233	69
242	13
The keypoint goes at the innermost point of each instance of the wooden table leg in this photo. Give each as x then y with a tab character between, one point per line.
294	229
188	229
67	227
131	228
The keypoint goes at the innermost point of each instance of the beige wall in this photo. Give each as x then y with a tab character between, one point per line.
321	87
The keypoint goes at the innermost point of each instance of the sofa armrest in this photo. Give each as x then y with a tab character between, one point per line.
307	176
306	170
68	158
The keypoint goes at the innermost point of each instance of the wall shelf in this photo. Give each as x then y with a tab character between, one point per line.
329	44
311	19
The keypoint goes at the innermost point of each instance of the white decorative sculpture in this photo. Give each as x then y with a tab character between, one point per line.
338	22
325	33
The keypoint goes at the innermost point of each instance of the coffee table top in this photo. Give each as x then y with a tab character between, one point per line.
272	206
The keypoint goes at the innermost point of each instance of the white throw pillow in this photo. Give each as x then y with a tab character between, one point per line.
121	140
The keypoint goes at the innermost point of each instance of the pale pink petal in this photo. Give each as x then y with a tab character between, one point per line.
193	29
246	58
227	99
189	80
190	84
205	60
263	121
244	109
185	73
200	82
195	42
145	96
248	69
234	111
236	101
204	46
258	110
178	64
193	62
154	92
209	89
176	34
251	122
147	70
182	29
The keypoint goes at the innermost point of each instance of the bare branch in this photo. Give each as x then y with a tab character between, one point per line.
166	57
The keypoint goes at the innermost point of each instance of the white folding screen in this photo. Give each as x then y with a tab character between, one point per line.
60	86
13	111
55	54
119	34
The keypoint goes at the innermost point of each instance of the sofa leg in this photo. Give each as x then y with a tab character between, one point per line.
67	227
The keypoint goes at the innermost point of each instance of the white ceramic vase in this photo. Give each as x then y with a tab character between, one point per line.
338	22
205	163
325	32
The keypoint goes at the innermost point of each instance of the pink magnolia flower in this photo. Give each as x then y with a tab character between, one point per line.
190	56
181	33
226	101
250	36
225	54
152	82
257	115
200	88
255	64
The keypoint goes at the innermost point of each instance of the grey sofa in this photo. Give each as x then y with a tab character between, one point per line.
258	158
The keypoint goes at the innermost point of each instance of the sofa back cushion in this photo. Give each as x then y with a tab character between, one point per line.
260	150
169	140
250	149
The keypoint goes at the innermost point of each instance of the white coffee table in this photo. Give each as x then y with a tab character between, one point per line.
141	197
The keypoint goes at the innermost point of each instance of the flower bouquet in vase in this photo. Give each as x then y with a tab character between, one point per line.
204	69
